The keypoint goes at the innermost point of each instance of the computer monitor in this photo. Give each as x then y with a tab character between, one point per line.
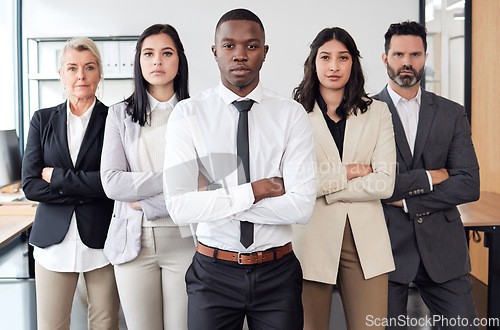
10	158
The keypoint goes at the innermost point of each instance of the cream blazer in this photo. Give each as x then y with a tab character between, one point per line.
368	140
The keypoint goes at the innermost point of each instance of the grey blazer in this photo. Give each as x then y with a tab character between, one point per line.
123	181
432	231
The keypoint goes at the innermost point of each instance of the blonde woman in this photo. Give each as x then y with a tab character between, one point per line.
61	170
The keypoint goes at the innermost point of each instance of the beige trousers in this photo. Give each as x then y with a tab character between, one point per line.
152	287
55	292
361	298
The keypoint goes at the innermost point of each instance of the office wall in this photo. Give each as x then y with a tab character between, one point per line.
485	86
290	27
484	110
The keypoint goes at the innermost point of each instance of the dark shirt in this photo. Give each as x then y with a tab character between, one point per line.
337	129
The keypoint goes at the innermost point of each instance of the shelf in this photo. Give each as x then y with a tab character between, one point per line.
49	77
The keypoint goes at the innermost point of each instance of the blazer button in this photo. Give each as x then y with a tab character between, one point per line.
81	201
420	220
410	193
61	192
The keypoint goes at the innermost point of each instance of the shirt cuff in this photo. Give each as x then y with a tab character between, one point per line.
405	208
430	180
242	196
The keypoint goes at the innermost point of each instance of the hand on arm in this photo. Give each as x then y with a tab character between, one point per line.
47	174
397	203
119	181
135	205
269	187
459	182
36	176
376	180
357	170
202	182
439	176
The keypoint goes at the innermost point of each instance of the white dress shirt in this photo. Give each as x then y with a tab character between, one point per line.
409	111
201	136
71	255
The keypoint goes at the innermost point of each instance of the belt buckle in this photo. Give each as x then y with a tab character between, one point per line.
244	254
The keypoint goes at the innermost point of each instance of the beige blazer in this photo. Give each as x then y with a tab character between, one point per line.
368	140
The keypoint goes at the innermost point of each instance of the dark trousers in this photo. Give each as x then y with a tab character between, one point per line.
451	301
221	293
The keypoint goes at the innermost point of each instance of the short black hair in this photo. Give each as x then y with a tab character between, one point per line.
405	28
240	14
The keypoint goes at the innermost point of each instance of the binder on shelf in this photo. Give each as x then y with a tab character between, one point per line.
127	53
110	55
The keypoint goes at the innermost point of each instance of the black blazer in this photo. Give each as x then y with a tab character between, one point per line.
432	232
72	188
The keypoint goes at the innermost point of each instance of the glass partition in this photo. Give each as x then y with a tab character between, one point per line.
446	40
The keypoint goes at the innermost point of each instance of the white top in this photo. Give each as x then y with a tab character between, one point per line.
71	255
201	136
409	111
151	151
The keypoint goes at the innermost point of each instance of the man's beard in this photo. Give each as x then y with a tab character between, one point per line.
405	80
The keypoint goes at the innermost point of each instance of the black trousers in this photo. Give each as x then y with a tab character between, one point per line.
451	303
221	293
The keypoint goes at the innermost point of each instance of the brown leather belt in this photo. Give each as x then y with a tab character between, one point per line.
246	258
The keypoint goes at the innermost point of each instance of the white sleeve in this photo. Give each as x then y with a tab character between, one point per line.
180	180
298	168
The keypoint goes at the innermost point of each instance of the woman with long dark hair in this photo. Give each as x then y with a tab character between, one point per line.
346	240
150	253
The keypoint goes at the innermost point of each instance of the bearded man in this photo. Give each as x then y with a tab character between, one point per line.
437	170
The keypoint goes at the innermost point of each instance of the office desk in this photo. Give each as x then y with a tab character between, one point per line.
14	219
484	215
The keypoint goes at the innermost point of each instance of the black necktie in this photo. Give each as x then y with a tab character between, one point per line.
246	235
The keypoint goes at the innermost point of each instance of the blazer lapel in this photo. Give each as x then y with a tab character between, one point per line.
399	132
353	129
60	125
132	134
425	119
323	136
96	123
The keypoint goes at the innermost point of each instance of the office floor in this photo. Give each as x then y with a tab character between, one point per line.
18	300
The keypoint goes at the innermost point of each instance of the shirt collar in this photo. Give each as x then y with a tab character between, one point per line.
153	103
322	105
395	97
86	115
229	96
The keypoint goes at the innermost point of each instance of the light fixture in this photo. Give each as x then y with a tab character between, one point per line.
455	4
429	13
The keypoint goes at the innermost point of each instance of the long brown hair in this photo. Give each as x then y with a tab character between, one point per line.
355	96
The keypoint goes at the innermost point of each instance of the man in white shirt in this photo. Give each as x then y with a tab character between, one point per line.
437	170
259	166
